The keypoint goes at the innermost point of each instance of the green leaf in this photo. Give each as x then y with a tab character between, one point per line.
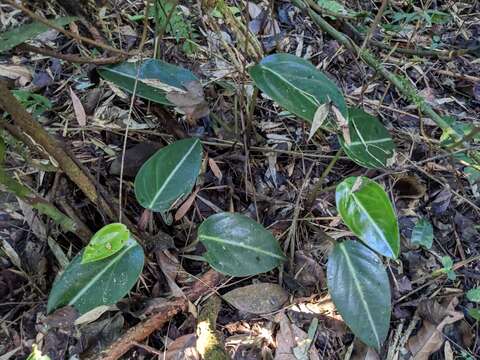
168	175
474	295
447	262
474	313
422	234
360	290
11	38
296	85
106	242
371	145
335	7
367	211
238	246
155	78
37	354
103	282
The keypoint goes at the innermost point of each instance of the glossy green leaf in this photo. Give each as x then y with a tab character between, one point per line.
366	209
474	295
422	234
103	282
474	313
360	290
371	145
238	246
296	85
106	242
169	174
11	38
155	78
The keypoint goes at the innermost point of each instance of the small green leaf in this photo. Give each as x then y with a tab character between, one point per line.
238	246
360	290
474	295
447	262
422	234
370	143
474	313
103	282
155	78
168	175
296	85
367	211
37	354
11	38
106	242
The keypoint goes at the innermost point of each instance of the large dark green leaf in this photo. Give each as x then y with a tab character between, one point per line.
366	209
155	78
238	246
359	287
296	85
169	174
11	38
370	143
103	282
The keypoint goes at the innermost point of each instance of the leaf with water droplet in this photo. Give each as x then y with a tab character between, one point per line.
106	242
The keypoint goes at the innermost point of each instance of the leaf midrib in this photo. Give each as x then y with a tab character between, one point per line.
360	292
100	274
172	174
240	245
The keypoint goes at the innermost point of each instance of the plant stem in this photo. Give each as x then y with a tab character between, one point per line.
318	186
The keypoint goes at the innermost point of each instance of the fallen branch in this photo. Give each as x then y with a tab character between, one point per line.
156	321
24	121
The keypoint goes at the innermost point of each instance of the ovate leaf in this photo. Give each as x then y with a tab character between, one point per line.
106	242
360	290
260	298
367	211
169	174
103	282
296	85
422	234
238	246
370	143
11	38
474	295
155	78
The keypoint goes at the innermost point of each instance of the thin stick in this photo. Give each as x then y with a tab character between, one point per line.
375	23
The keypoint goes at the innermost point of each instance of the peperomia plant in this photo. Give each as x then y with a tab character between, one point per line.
239	246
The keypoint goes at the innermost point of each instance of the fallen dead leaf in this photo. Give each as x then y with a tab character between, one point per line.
258	298
363	352
290	337
190	102
215	169
343	125
182	348
187	204
78	109
318	119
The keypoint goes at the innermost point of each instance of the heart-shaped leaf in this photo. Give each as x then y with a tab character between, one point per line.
11	38
366	209
238	246
155	78
103	282
169	174
370	143
260	298
296	85
359	287
422	234
106	242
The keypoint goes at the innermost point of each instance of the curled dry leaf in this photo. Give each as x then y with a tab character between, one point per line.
190	102
343	125
430	338
318	119
258	298
78	109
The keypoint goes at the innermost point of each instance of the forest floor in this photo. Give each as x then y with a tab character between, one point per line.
260	163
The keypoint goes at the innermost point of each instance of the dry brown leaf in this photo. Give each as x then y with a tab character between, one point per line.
318	119
409	187
448	352
258	298
429	338
363	352
343	125
182	348
308	271
187	204
215	169
170	267
14	72
190	102
78	109
289	337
